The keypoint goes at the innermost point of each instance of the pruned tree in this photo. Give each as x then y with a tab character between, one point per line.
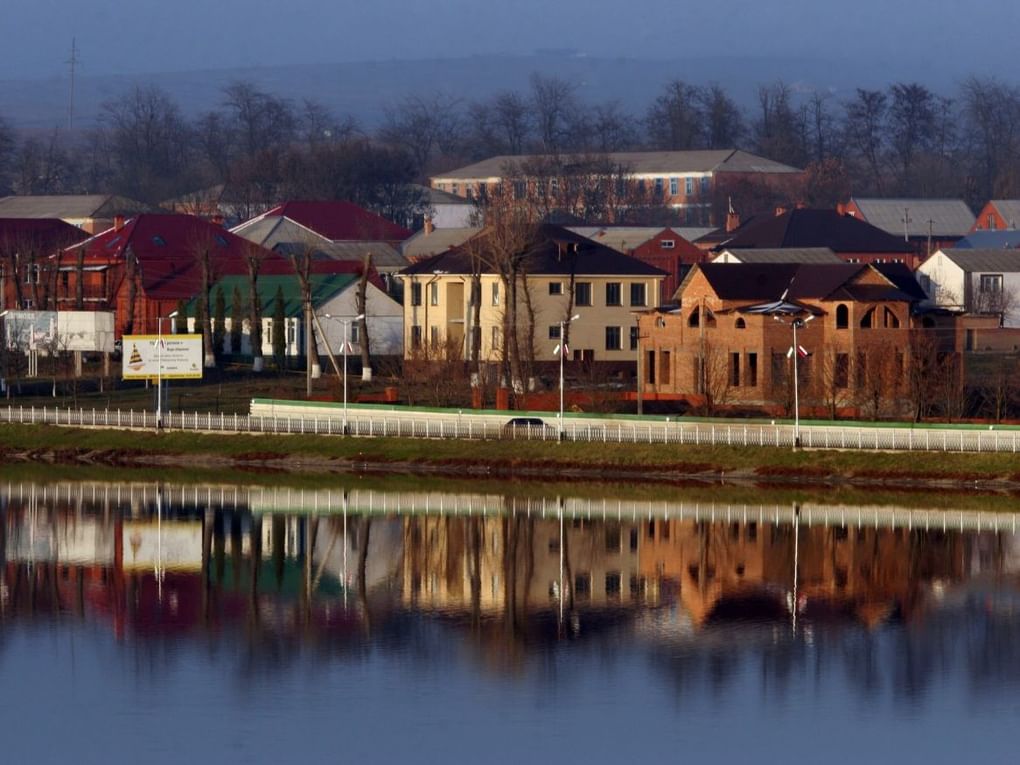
279	329
219	321
237	312
361	306
254	258
202	247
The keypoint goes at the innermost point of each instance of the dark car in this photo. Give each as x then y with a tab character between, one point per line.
526	427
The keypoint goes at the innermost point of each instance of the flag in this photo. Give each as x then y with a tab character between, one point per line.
349	347
803	352
789	353
556	350
566	349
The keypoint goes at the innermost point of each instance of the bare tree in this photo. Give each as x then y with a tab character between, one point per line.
362	309
911	127
254	258
554	104
864	128
424	126
674	121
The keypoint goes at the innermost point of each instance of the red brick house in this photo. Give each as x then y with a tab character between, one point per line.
999	215
27	247
852	239
142	268
722	348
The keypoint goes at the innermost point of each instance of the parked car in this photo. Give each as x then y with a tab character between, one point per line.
527	427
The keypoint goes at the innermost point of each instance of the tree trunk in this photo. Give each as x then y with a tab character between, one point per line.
79	279
362	309
254	314
207	339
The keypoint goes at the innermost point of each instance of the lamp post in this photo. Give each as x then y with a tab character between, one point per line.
346	322
561	349
159	367
796	324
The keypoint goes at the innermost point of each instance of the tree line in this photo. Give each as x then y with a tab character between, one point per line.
903	140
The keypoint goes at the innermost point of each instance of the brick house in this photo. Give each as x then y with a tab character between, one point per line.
663	248
998	215
689	182
143	267
27	248
852	239
720	348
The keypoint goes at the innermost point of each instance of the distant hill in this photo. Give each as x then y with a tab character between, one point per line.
364	89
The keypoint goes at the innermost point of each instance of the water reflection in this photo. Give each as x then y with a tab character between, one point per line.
711	609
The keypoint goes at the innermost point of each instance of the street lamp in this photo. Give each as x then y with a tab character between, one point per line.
795	324
561	349
159	367
346	322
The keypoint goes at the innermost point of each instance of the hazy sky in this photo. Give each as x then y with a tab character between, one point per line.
115	36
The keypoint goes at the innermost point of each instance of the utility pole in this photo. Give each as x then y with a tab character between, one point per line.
72	63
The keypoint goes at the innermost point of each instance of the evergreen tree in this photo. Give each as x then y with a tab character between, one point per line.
236	320
279	329
219	321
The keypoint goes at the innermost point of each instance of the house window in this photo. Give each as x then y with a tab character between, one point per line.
612	538
434	336
434	294
842	317
613	293
495	293
991	221
634	336
497	338
415	293
554	331
582	293
613	585
752	370
555	288
355	333
650	368
674	186
637	294
740	323
520	189
416	337
841	372
32	274
582	586
990	284
704	184
890	319
667	244
779	366
735	370
689	186
664	367
868	320
658	186
554	186
613	339
454	189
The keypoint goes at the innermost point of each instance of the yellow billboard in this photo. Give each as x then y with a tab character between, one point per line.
178	356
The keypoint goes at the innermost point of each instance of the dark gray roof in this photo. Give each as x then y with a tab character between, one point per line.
555	250
779	255
663	163
949	217
1007	261
284	235
440	197
792	281
1009	209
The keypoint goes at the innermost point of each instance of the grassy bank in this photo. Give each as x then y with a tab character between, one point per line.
114	447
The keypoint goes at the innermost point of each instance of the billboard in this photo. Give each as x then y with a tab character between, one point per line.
85	331
179	357
170	545
59	331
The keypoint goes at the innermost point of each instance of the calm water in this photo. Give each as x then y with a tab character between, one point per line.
168	624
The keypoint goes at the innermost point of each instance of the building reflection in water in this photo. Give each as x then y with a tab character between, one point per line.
514	584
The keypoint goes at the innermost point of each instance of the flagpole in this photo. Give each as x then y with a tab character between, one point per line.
562	348
796	392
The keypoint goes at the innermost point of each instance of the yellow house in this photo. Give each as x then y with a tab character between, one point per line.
562	274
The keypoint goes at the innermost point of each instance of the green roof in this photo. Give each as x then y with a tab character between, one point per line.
324	287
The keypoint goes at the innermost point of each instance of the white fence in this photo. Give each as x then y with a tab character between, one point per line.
467	426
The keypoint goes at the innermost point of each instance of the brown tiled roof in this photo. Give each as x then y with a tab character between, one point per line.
787	281
816	228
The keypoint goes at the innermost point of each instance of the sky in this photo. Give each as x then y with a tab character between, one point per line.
145	36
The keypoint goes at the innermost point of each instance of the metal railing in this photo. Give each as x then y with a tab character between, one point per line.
396	424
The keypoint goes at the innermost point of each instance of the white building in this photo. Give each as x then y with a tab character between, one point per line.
974	281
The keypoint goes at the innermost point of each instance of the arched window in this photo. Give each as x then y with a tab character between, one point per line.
695	318
868	320
709	318
740	323
842	317
890	319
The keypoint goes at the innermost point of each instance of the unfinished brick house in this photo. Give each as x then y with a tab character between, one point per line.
724	347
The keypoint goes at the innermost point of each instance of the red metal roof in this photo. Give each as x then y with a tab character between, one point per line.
340	221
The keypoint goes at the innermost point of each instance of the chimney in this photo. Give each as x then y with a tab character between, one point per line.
118	222
841	208
780	210
217	219
732	217
429	227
